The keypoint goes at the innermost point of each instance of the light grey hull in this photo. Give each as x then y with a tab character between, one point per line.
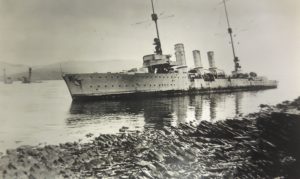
112	85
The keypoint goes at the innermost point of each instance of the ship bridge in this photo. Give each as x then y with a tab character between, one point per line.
157	63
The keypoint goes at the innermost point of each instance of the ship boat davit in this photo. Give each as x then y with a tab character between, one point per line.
162	76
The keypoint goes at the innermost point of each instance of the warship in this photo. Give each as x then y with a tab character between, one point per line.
28	78
160	75
6	79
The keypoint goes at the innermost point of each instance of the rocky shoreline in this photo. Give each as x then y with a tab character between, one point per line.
260	145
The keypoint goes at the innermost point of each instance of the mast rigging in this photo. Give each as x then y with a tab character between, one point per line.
236	60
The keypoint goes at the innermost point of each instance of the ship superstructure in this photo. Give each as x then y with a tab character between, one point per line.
160	75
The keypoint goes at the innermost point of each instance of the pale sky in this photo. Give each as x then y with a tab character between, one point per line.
36	32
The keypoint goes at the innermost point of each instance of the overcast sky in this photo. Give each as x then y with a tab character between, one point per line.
36	32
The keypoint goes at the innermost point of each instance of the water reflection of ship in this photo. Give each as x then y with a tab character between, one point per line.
158	112
212	101
197	101
238	103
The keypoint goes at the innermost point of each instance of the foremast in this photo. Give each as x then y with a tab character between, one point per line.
157	62
157	42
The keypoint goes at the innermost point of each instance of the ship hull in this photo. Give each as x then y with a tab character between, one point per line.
135	95
97	86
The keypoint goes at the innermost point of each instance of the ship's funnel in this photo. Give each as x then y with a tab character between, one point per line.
29	73
180	54
211	60
197	59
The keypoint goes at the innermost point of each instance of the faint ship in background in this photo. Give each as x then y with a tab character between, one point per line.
162	76
6	79
28	78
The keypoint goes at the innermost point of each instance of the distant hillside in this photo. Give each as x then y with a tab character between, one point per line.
12	68
53	71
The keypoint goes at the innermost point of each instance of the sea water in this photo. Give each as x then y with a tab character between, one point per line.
43	113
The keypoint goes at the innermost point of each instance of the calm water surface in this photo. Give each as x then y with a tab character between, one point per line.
43	113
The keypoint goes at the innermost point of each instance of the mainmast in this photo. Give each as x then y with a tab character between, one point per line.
157	43
4	75
236	60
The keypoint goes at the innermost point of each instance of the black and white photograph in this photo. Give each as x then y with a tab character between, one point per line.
149	89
